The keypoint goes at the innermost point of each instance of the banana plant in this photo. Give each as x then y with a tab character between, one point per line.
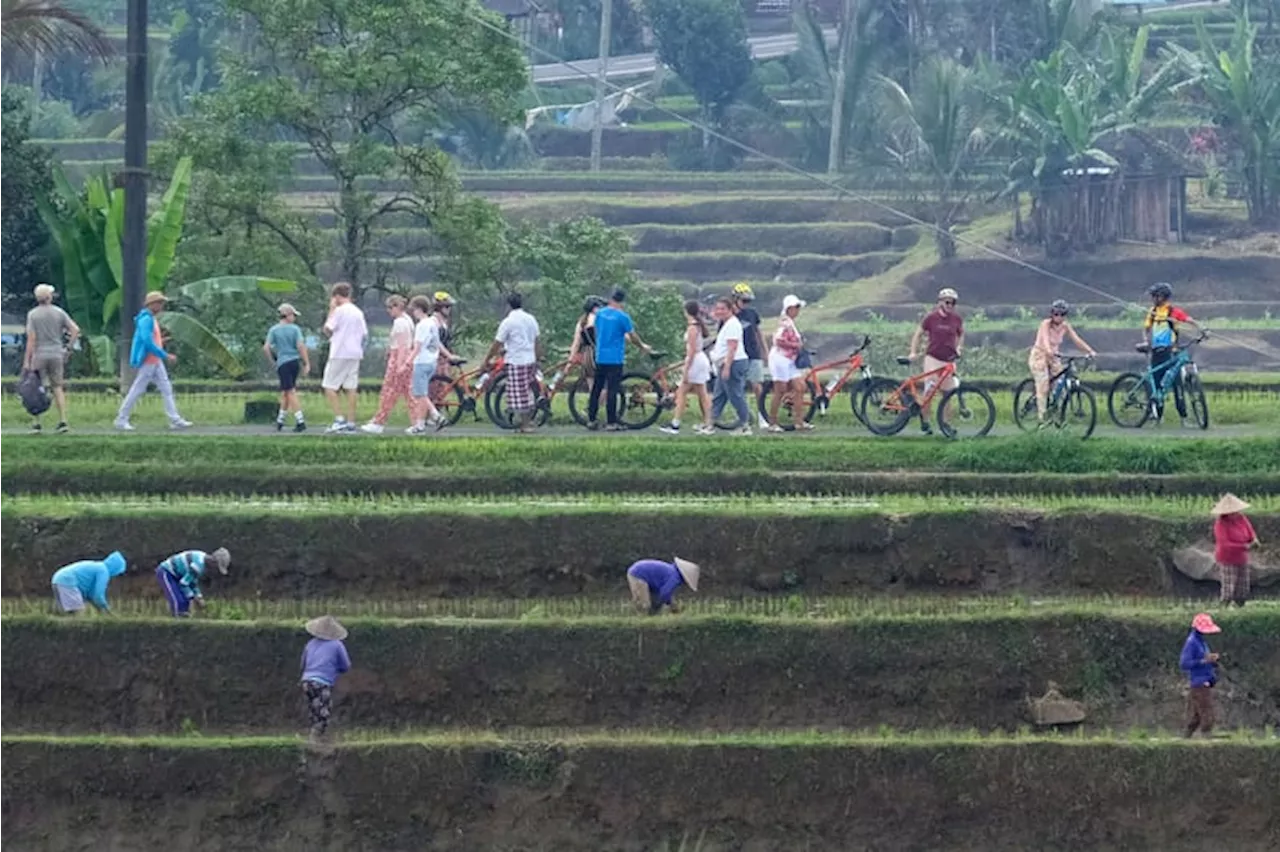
87	228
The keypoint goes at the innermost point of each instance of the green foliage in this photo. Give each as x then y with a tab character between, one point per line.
24	237
705	42
581	22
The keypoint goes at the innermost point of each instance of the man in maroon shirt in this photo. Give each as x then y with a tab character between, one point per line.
945	328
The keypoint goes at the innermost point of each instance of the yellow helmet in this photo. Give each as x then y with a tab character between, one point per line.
442	297
743	290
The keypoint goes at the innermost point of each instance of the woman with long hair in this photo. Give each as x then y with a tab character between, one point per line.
583	349
697	372
788	378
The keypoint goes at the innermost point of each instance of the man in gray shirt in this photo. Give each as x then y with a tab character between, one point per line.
51	334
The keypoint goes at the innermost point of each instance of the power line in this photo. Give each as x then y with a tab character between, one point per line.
825	182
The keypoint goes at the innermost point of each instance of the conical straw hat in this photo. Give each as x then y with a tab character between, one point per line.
326	627
689	571
1229	505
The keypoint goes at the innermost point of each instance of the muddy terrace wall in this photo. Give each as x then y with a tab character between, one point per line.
995	798
708	674
282	555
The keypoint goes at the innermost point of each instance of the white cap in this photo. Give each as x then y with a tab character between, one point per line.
793	301
948	293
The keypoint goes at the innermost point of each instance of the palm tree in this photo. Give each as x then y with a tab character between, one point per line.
47	27
939	130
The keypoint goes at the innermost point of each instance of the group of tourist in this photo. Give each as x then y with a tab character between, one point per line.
734	357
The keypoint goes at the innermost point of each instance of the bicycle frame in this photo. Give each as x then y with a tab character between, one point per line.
472	391
1172	373
855	363
932	381
1062	381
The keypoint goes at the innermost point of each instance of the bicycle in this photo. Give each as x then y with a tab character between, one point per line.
453	395
1136	398
819	394
900	402
1069	404
642	396
544	391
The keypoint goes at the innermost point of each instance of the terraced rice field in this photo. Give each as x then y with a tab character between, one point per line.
854	672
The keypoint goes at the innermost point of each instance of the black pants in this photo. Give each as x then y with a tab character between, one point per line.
1161	360
609	375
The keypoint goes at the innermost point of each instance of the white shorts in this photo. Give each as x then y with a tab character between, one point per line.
700	371
782	368
67	598
341	374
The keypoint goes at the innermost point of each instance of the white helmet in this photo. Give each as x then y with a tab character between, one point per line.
948	293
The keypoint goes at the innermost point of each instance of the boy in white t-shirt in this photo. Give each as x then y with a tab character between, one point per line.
427	349
730	361
347	332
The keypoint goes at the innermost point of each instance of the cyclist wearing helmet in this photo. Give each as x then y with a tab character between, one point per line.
1045	355
583	349
945	329
1160	334
752	341
442	312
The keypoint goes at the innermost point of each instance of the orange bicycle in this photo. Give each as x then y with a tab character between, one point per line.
453	394
818	394
544	390
887	406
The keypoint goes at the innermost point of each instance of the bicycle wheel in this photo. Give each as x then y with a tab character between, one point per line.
495	405
1196	402
856	392
578	396
1129	401
1077	414
786	415
447	397
884	411
640	402
966	412
1024	406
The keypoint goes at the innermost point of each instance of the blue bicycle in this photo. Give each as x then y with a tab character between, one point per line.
1136	399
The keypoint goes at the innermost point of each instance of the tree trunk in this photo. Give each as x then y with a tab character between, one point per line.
352	244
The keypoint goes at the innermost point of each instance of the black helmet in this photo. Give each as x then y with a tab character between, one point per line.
1060	306
1162	290
592	303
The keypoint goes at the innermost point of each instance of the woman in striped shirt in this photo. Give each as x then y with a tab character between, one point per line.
180	575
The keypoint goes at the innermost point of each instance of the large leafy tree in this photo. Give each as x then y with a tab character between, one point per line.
23	235
941	130
1243	89
337	77
50	27
705	43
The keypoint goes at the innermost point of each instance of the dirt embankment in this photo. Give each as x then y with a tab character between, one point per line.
994	798
290	556
142	677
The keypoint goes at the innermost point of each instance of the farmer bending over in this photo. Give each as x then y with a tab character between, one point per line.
180	575
653	582
85	580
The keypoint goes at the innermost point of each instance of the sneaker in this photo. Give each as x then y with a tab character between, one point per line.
349	426
300	426
704	430
805	426
440	422
774	428
279	424
37	428
671	430
594	426
615	427
62	428
925	428
180	424
372	428
416	430
745	430
123	426
336	426
763	423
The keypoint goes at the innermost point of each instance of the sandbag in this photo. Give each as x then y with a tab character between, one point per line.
1053	708
35	399
1197	563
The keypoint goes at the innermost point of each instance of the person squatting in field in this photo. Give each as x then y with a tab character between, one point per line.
654	583
179	577
86	580
324	660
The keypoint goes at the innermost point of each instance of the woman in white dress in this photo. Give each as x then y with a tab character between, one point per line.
697	372
788	379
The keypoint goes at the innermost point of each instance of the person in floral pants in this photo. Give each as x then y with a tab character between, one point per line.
399	375
324	660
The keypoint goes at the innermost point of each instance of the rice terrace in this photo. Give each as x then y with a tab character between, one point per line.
660	426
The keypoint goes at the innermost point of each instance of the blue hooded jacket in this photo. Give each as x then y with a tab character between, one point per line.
91	577
143	343
1192	661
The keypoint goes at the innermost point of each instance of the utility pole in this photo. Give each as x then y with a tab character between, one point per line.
845	32
135	182
606	34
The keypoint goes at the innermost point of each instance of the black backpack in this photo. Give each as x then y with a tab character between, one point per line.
35	399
